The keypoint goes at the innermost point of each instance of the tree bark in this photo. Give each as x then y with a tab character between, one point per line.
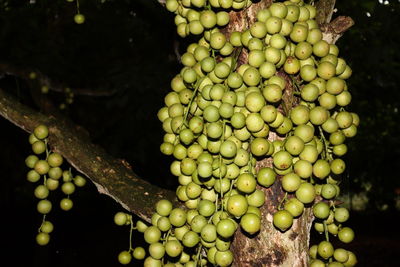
270	247
113	177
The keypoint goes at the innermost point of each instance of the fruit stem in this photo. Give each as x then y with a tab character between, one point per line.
77	6
130	234
166	235
327	155
196	88
198	255
326	231
281	202
220	165
251	159
47	149
43	220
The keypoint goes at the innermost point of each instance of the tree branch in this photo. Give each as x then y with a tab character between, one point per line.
336	28
113	177
332	30
325	10
43	80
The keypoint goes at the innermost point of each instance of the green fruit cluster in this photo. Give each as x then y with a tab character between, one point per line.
197	16
219	120
69	98
139	253
68	94
46	167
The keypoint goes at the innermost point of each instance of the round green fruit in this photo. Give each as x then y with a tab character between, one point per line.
41	132
283	220
306	193
321	210
152	234
237	205
44	206
66	204
346	235
226	228
250	223
325	249
139	253
79	18
124	257
42	238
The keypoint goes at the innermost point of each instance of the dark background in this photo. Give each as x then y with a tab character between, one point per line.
128	46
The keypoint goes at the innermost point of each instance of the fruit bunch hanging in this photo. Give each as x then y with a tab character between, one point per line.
46	169
222	116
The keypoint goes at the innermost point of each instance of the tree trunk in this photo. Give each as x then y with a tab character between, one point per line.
271	247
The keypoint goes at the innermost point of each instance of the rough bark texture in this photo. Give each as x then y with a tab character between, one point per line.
335	29
270	247
113	177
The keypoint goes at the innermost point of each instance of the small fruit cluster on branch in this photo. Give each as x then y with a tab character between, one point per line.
222	117
44	89
46	168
